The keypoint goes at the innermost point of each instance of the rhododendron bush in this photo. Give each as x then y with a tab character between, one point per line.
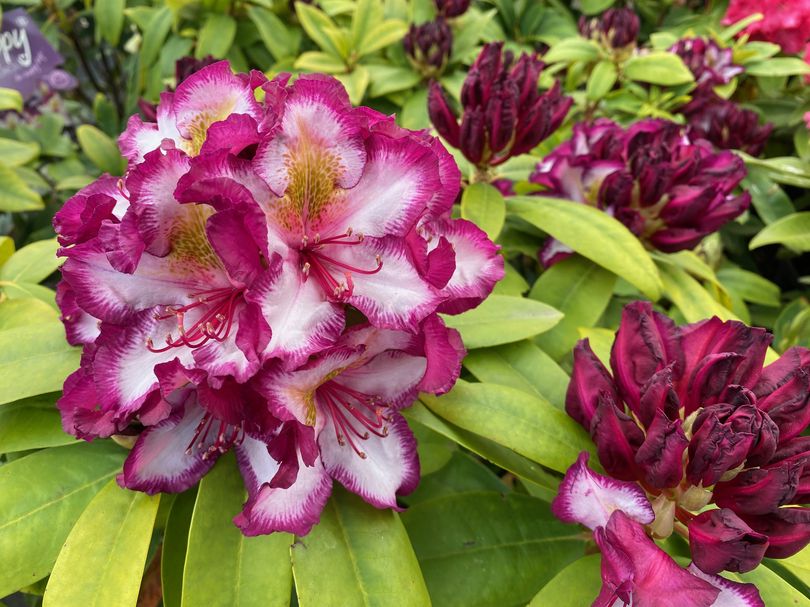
405	302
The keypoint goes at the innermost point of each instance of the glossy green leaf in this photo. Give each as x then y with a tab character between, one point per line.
513	542
109	16
572	49
357	556
15	195
41	497
601	341
692	299
24	312
32	423
578	288
17	153
382	35
319	27
175	543
520	365
798	565
770	201
386	79
318	61
34	360
575	586
28	290
32	263
463	473
778	66
279	39
527	424
773	589
592	7
100	149
658	67
102	561
502	319
6	248
223	567
593	234
601	80
484	205
750	286
154	35
792	231
10	99
216	36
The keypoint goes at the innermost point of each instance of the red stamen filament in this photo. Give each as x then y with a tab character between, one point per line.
321	266
215	323
338	400
227	436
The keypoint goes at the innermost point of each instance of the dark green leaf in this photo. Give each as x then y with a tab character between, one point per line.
175	542
575	586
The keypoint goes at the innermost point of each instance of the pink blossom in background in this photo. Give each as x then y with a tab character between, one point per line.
785	22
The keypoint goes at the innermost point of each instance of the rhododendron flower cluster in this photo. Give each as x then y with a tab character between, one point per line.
504	115
266	277
784	22
692	417
635	571
667	189
429	46
615	29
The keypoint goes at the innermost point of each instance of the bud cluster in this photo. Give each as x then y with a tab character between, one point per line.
429	46
616	29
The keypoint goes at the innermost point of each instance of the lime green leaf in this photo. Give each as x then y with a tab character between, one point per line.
593	234
41	497
34	360
317	61
692	299
223	567
15	195
279	39
356	83
32	263
29	290
798	565
773	589
792	231
17	153
6	248
576	585
778	66
175	543
381	35
781	169
601	341
367	15
601	80
572	49
216	36
658	67
527	424
109	16
578	288
517	537
592	7
501	319
750	286
24	312
32	423
10	99
387	79
100	149
154	35
110	539
520	365
484	205
74	182
357	556
320	28
512	282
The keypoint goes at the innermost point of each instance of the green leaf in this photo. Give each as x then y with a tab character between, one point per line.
109	16
17	153
792	231
781	169
366	15
74	182
100	149
501	319
318	61
109	541
750	286
484	205
154	35
28	290
658	67
462	474
517	537
15	195
601	341
692	299
520	365
798	565
576	585
216	36
10	99
34	360
593	234
778	66
357	556
601	80
32	423
175	543
23	312
578	288
223	567
320	28
356	83
592	7
41	497
527	424
572	49
769	200
383	34
773	589
32	263
6	248
512	282
279	39
387	79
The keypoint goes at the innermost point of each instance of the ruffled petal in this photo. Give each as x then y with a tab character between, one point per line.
732	594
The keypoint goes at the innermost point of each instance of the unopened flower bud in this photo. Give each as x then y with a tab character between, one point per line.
616	28
720	540
429	46
452	8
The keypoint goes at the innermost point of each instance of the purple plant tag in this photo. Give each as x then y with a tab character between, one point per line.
26	57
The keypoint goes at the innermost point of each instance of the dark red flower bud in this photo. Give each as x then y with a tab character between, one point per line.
472	136
709	64
452	8
720	540
186	66
788	530
658	394
617	438
725	124
429	46
615	28
783	390
717	446
590	380
442	116
760	490
660	457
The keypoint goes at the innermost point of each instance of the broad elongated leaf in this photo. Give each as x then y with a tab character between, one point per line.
280	40
593	234
578	288
216	36
658	67
32	263
503	319
223	567
527	424
15	195
32	423
694	302
576	585
109	16
357	556
10	99
750	286
773	589
601	341
103	558
154	35
517	538
34	360
41	497
792	231
520	365
17	153
175	542
25	311
100	149
484	205
462	474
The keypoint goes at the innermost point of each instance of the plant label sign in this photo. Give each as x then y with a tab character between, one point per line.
26	57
